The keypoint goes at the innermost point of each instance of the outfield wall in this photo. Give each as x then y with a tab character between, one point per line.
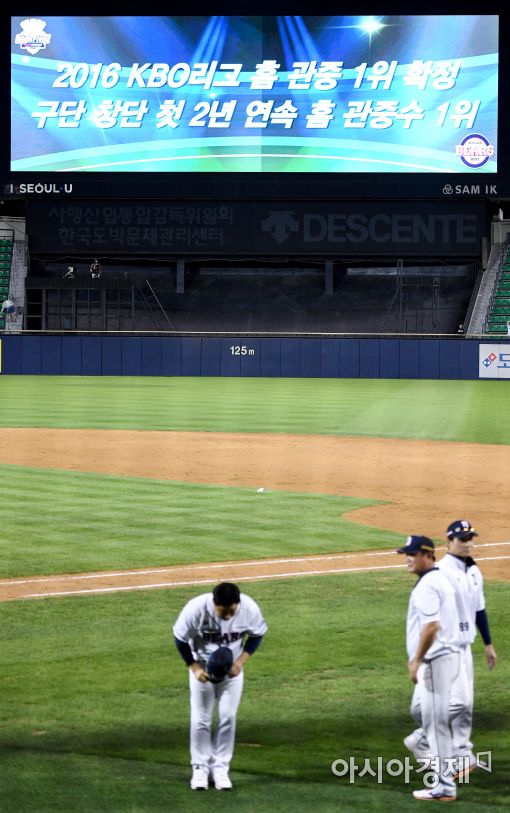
243	356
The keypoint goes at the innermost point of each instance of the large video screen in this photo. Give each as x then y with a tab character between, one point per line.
395	94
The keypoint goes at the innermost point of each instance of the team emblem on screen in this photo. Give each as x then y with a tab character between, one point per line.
33	38
474	150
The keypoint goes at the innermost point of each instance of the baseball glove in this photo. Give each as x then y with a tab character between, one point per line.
219	664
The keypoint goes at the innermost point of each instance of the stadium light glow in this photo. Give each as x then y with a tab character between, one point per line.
370	26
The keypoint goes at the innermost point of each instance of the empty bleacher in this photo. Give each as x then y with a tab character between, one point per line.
6	247
498	312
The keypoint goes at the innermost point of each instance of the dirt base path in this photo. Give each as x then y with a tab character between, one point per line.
494	558
425	484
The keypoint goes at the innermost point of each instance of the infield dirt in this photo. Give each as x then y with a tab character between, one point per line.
424	484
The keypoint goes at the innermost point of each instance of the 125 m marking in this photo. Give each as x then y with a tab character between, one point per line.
241	350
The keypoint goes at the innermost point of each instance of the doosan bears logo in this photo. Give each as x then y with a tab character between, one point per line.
33	38
474	150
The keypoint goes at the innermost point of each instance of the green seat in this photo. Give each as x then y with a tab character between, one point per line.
501	310
500	329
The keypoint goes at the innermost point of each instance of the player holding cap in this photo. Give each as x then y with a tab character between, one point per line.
433	650
467	581
208	625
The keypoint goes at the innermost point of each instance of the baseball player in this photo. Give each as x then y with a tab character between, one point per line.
467	581
224	618
433	650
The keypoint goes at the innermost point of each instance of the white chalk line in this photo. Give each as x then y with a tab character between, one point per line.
290	575
170	568
218	565
209	581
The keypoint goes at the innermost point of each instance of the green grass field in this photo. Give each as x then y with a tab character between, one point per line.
473	411
94	710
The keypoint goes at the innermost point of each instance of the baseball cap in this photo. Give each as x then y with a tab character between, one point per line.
417	544
219	663
461	528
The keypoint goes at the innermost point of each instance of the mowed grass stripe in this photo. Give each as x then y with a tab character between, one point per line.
474	411
96	686
72	522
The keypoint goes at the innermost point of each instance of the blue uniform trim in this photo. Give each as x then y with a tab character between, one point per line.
482	622
424	574
184	650
252	643
468	561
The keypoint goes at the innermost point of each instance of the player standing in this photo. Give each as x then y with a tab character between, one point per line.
433	650
467	581
224	618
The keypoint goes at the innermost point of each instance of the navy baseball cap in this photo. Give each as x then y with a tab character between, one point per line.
461	528
417	544
219	663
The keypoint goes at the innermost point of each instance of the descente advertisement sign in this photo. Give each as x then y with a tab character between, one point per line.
241	228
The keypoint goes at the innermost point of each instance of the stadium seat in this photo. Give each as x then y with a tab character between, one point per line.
501	310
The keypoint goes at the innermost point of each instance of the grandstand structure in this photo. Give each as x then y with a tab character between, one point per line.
335	295
6	250
497	319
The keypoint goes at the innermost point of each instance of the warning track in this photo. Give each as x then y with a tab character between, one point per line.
494	558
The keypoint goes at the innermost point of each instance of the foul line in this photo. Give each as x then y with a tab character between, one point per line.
208	581
217	565
290	575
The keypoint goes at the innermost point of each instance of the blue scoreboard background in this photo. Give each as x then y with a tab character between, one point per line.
279	94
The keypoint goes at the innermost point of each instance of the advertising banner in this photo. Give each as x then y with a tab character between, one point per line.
494	360
226	227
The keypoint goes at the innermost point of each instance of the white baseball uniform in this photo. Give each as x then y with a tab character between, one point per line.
199	626
433	599
467	581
